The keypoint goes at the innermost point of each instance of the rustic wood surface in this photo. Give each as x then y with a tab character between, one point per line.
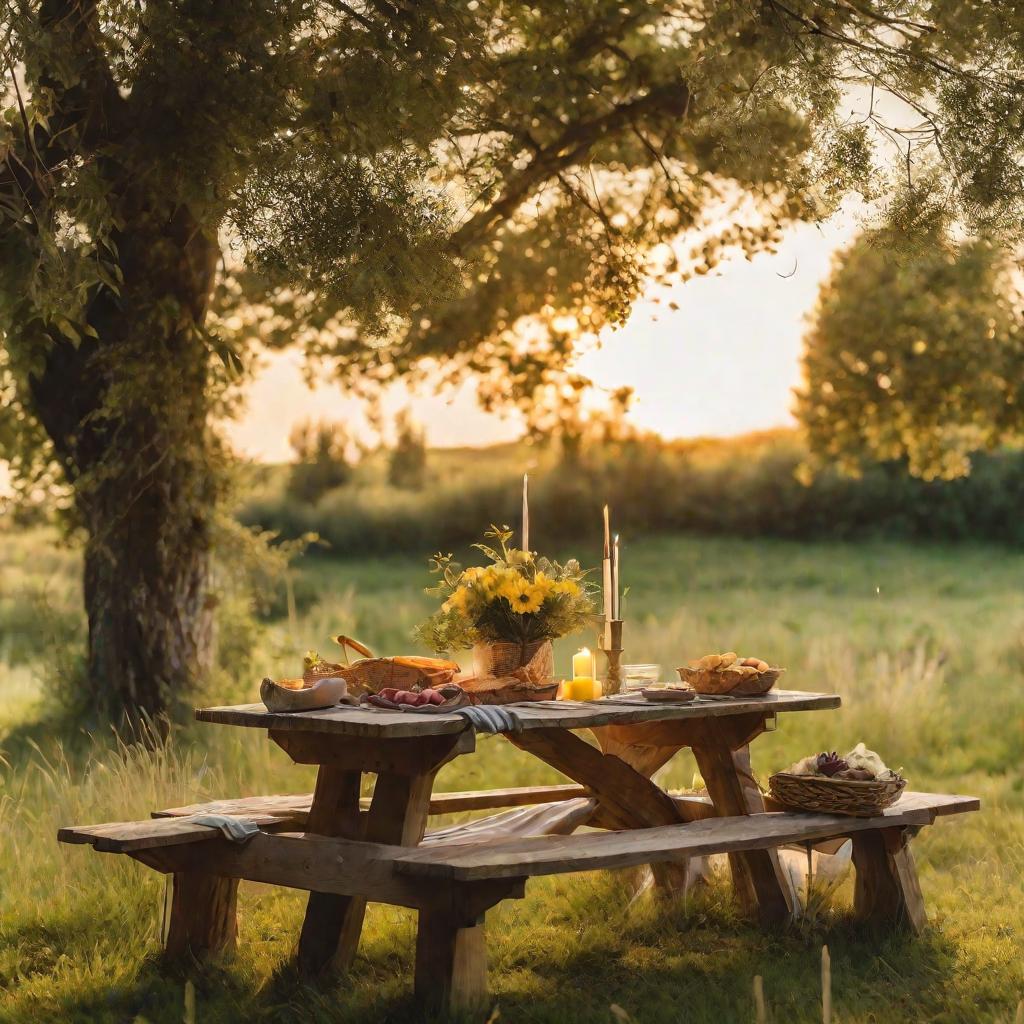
595	850
294	808
202	919
760	883
554	818
333	812
887	893
566	715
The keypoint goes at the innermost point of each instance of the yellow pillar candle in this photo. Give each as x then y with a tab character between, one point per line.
583	664
581	688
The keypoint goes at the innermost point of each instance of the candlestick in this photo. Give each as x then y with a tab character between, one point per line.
526	512
616	586
606	570
611	648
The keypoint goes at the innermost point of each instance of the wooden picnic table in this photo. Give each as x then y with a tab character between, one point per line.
405	750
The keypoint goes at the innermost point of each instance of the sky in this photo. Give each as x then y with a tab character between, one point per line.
724	363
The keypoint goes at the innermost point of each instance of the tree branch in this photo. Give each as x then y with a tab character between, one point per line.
565	151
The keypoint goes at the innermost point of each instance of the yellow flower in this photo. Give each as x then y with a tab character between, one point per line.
568	587
493	579
472	574
544	583
458	601
523	596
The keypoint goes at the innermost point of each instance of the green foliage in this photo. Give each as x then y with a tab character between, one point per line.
323	460
407	459
747	487
919	358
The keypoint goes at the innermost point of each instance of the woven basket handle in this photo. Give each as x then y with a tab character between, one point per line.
346	642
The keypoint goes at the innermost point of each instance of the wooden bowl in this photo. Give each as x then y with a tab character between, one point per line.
324	693
729	681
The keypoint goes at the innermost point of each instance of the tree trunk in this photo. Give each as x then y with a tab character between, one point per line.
127	413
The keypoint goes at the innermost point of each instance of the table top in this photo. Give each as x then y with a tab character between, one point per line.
377	722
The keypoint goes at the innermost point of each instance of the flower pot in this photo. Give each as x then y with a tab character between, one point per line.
534	662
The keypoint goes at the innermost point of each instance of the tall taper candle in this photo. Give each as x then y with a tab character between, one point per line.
606	565
616	585
526	512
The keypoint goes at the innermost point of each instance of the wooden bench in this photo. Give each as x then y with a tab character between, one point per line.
458	873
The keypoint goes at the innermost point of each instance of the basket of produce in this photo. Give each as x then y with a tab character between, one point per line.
730	674
859	784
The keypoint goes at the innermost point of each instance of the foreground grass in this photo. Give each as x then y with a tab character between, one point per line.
926	647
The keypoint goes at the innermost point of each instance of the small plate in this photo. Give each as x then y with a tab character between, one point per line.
668	694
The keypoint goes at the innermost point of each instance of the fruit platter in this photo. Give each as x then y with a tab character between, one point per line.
730	674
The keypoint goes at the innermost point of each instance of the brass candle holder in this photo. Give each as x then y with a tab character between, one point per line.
610	645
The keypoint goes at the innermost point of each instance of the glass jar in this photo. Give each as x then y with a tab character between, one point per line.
636	677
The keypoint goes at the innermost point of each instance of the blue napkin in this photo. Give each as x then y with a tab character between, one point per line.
238	830
491	718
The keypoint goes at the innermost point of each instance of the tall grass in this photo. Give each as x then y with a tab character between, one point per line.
924	646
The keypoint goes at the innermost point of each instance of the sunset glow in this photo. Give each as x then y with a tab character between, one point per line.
723	363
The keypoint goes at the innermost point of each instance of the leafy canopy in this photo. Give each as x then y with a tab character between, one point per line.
471	182
918	359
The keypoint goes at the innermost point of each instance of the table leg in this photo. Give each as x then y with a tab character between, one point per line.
334	812
758	877
397	816
629	799
645	751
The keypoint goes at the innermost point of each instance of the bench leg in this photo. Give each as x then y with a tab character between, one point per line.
887	892
451	962
202	919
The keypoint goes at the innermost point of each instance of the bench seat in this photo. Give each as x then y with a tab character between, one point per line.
591	851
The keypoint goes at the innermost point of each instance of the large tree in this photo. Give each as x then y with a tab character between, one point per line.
914	357
393	184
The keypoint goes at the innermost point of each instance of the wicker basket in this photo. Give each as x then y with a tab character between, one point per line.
727	680
835	796
534	662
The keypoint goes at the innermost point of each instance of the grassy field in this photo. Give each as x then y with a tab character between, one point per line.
925	645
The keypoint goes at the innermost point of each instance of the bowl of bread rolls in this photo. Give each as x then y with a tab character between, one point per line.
730	674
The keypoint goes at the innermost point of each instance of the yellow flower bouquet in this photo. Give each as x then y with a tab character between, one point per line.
519	598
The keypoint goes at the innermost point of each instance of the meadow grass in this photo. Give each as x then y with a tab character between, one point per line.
925	645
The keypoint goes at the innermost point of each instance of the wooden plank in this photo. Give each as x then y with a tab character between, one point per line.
346	867
758	879
155	833
631	799
593	851
294	808
334	812
127	836
131	836
408	755
574	715
485	799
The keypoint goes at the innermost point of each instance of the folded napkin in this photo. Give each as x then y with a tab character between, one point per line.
491	718
238	830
